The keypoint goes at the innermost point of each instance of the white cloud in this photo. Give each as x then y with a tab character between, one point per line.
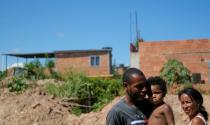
15	50
60	34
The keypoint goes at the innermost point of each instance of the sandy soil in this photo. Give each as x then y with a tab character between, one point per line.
34	107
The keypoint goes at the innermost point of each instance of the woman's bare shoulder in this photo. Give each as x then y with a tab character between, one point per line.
197	121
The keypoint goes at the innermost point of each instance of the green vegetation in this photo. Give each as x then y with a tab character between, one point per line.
50	64
34	70
76	110
104	90
175	72
2	75
136	43
91	94
17	84
94	91
187	85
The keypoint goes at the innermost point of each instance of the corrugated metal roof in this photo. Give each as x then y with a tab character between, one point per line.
32	55
52	54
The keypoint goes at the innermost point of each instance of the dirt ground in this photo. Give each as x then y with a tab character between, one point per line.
35	107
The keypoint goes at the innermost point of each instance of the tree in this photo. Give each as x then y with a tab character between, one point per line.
50	64
34	70
174	71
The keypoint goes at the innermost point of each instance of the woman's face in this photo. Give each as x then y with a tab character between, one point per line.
189	106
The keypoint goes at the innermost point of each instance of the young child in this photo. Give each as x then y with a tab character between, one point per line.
162	113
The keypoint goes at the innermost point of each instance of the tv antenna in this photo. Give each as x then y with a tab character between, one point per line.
137	32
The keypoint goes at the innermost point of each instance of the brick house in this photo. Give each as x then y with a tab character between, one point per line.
91	62
194	54
96	62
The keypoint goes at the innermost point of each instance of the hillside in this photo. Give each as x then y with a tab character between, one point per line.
35	107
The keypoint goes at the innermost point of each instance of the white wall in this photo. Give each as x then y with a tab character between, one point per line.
134	60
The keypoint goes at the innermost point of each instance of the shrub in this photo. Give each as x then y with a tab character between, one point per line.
76	110
174	71
56	75
34	70
50	64
17	84
2	75
97	91
187	85
104	90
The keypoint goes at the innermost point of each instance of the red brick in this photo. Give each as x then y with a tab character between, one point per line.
80	62
193	53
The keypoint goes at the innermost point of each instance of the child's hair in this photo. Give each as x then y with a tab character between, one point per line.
197	97
157	80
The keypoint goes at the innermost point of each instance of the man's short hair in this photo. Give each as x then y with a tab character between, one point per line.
128	74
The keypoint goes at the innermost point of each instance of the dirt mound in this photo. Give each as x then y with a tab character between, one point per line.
35	107
99	118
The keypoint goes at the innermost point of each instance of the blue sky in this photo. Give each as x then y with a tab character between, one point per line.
28	26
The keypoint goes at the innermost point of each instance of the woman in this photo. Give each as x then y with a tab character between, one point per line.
192	104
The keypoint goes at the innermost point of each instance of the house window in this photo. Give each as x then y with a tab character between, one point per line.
94	60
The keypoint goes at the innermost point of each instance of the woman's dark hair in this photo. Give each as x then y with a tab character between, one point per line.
197	97
157	80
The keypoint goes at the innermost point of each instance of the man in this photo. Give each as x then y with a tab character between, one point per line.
133	109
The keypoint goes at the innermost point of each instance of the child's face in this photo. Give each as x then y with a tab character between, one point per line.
157	94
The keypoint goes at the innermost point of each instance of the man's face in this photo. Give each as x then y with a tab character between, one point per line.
136	89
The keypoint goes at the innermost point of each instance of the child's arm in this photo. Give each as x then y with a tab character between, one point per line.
169	115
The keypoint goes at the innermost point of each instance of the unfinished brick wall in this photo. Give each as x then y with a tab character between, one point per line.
195	55
80	62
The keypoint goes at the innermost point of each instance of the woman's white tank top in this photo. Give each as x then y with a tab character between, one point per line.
202	118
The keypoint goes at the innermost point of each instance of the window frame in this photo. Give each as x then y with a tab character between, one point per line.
95	60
